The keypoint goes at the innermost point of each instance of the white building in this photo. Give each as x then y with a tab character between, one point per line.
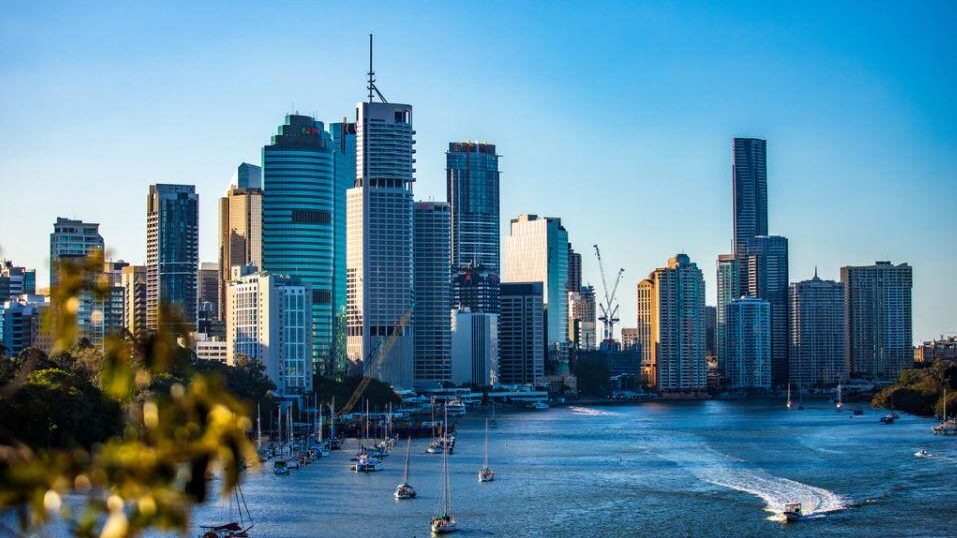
748	364
474	348
269	319
379	249
210	348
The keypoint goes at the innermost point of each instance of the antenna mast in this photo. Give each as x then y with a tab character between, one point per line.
371	86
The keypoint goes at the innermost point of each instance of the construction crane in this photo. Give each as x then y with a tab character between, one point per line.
609	309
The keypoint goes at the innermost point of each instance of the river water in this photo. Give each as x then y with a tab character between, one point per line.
713	468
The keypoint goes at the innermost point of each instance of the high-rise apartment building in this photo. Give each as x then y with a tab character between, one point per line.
240	227
750	185
297	219
536	250
521	332
878	323
20	323
816	320
111	321
670	309
766	262
729	289
433	295
749	353
72	240
209	320
133	282
269	318
16	281
172	252
647	321
379	249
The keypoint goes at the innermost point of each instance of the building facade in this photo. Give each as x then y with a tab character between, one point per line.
172	252
475	288
472	188
297	212
133	282
269	318
21	322
629	338
379	245
433	295
240	227
749	353
729	289
16	281
521	334
344	154
878	319
72	240
750	188
766	261
474	348
817	333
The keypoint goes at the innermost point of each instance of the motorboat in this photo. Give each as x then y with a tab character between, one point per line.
366	464
792	512
435	447
455	407
922	453
280	468
888	419
539	406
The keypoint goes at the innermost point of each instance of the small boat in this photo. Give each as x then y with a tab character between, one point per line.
435	447
792	512
789	404
539	406
888	419
839	403
492	423
405	490
445	522
366	464
485	473
233	529
922	453
455	407
280	468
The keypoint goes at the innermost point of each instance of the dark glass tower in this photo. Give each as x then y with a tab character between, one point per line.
298	185
750	187
172	251
766	261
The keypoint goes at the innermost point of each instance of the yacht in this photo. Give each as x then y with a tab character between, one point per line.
792	512
233	529
455	407
366	464
888	419
405	490
280	468
485	473
445	522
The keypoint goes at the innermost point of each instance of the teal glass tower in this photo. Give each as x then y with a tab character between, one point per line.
298	219
344	154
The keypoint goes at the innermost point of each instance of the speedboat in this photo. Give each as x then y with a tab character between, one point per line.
922	453
486	474
792	512
443	524
279	467
404	491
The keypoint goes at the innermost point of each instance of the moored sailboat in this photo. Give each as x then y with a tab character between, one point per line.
445	522
485	473
405	490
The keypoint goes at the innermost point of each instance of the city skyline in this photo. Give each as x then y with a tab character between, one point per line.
809	165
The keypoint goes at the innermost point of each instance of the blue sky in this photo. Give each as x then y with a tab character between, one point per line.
617	117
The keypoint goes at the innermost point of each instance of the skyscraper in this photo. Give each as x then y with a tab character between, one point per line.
475	288
474	348
646	327
172	252
240	227
817	355
766	259
729	289
433	301
472	187
670	307
574	270
297	213
133	281
269	319
750	186
379	265
72	240
344	155
536	250
878	326
748	363
521	359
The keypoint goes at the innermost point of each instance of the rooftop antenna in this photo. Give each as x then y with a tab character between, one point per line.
372	87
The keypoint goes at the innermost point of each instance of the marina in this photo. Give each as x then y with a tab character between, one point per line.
631	470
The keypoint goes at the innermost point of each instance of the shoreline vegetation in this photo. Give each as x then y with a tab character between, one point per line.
920	391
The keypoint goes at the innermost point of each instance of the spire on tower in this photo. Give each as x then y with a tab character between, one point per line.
371	86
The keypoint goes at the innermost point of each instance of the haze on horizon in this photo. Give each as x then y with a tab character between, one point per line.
618	118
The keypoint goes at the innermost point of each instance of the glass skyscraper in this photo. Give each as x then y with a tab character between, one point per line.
172	252
750	187
766	260
298	192
344	146
472	187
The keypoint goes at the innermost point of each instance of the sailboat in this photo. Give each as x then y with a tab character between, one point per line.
445	523
485	473
233	529
789	395
435	446
839	403
492	423
279	467
405	490
334	442
364	461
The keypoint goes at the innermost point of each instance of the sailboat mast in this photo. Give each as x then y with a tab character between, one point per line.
445	461
319	404
486	442
408	458
259	429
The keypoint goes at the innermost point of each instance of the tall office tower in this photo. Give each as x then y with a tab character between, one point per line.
72	239
379	265
20	323
574	270
581	318
133	281
766	259
474	348
878	324
521	332
433	295
750	186
172	252
16	281
749	352
268	318
817	332
248	177
297	225
240	227
344	155
671	305
472	187
629	338
646	326
475	288
729	289
536	250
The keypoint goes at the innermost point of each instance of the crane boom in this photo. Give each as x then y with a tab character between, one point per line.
609	309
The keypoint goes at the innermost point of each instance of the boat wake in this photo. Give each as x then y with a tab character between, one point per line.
720	470
589	412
